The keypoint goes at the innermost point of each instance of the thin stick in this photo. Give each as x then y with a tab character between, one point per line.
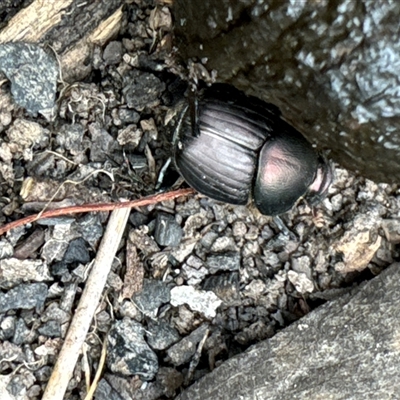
88	303
96	207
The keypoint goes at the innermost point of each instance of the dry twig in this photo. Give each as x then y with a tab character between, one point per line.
83	316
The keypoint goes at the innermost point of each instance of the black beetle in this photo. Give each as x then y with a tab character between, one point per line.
230	146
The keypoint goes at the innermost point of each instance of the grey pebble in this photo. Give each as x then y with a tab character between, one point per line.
128	353
33	74
182	351
160	335
113	53
223	262
50	329
77	251
167	230
153	295
25	296
142	89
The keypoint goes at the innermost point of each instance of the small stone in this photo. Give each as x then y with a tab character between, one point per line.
184	249
359	243
153	295
7	328
20	383
252	233
14	271
225	286
128	116
185	320
208	239
160	335
105	391
204	302
91	229
70	136
301	282
102	142
167	231
193	275
391	228
24	134
149	126
239	229
77	252
128	353
113	53
50	329
223	244
170	380
130	135
25	296
138	219
142	89
302	264
225	262
6	249
255	289
33	74
22	334
182	351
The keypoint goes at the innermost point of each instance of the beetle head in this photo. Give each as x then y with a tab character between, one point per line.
323	179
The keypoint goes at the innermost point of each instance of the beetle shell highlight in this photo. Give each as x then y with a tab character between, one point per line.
237	147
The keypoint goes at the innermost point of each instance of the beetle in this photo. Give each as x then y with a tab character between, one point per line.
233	147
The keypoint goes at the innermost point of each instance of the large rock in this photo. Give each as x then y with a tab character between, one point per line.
346	349
331	67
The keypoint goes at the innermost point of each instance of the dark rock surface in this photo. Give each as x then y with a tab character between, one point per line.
346	349
331	67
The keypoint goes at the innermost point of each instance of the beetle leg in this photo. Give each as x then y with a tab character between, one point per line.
194	113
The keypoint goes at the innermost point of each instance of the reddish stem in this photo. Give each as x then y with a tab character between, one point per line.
153	199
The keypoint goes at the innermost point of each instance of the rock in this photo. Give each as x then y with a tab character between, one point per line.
33	74
204	302
225	286
14	271
142	89
331	69
160	335
170	380
301	282
224	262
167	231
50	329
153	295
104	391
284	366
391	228
182	351
77	252
128	352
113	53
25	296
